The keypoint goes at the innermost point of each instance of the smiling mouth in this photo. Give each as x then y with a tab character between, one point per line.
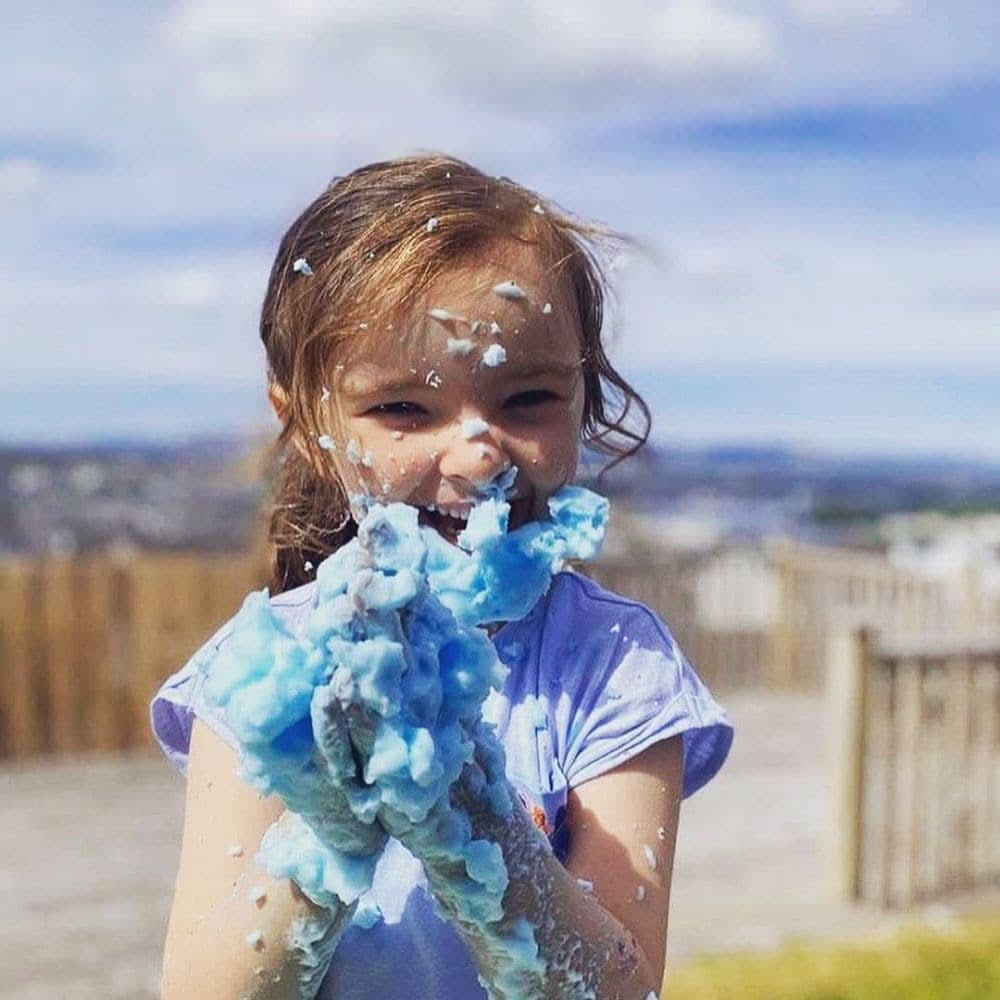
447	526
450	526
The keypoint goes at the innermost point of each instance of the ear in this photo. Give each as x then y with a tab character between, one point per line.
279	400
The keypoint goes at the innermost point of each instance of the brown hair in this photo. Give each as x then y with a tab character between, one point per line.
369	253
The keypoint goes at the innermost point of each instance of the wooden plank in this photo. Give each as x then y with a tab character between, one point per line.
958	874
875	815
910	778
937	786
93	594
986	754
848	661
22	719
891	786
141	598
23	688
57	618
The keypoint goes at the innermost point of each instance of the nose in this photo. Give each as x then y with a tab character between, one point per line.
470	463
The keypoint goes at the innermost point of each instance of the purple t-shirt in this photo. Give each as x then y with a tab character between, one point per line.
594	680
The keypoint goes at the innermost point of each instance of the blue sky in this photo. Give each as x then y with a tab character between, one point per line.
820	180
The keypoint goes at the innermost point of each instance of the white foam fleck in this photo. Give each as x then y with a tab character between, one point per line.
397	435
301	266
547	308
308	566
433	379
432	224
326	395
650	856
615	629
640	893
444	315
326	442
661	833
510	290
538	210
493	356
495	328
587	887
474	427
235	850
459	346
353	452
257	895
256	940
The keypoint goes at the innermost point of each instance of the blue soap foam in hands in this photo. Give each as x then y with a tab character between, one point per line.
390	668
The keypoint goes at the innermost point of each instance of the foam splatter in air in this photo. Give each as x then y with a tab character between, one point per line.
301	266
389	670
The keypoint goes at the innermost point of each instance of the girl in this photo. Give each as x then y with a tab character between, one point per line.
429	328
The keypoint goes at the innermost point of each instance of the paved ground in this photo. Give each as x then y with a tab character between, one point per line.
88	850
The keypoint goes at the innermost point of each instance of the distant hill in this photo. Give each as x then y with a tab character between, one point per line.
205	493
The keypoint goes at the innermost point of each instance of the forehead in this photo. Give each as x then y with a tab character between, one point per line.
539	325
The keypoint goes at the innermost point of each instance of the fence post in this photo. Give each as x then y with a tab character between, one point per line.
848	655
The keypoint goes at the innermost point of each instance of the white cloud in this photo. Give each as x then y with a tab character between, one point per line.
847	293
20	178
852	13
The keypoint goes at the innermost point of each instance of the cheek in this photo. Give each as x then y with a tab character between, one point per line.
400	467
550	459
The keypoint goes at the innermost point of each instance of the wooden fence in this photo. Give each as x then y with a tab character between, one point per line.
85	642
916	761
822	589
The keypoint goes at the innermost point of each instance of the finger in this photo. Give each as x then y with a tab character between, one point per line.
332	736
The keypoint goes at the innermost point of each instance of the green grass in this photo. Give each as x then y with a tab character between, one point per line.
962	963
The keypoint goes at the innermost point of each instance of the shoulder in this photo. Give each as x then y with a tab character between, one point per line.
577	601
179	699
290	608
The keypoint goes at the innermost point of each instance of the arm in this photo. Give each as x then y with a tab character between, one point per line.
605	941
207	954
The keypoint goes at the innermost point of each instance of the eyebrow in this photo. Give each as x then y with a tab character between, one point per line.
366	385
357	384
562	369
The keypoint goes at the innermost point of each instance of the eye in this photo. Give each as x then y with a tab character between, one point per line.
531	397
400	409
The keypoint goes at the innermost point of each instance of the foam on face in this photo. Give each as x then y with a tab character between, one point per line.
389	669
460	346
493	356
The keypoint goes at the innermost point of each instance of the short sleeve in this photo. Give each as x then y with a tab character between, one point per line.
624	684
180	700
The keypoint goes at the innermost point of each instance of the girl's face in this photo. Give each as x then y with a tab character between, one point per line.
426	415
